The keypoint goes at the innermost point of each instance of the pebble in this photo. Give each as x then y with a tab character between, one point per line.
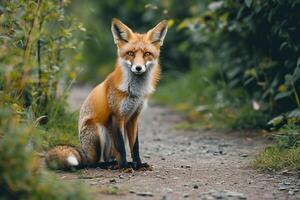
224	194
287	183
283	187
94	183
244	155
168	190
186	195
147	156
145	194
112	180
121	176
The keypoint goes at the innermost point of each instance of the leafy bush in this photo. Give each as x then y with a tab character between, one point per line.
20	174
254	43
289	137
209	103
258	45
37	57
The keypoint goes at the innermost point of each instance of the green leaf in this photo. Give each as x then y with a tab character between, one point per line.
283	95
284	44
248	3
298	62
296	74
294	113
289	79
276	120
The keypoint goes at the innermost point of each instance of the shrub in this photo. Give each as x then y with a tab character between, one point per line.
258	47
20	174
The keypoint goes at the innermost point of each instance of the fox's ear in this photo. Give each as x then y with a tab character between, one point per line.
120	31
158	33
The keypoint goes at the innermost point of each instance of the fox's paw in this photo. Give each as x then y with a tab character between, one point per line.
144	167
113	166
127	170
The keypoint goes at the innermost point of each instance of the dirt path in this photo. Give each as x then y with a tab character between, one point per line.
187	165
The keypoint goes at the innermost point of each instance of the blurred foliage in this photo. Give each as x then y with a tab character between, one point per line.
254	45
257	45
38	54
21	176
39	58
209	103
288	137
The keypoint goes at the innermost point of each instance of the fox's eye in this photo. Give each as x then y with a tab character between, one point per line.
130	53
147	54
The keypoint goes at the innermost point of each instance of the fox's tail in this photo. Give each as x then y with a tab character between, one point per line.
65	157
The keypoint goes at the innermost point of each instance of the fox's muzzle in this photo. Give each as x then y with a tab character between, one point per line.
138	69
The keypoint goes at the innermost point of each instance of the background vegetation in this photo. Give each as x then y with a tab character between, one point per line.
226	64
39	58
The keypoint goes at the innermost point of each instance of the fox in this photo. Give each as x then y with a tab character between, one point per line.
109	115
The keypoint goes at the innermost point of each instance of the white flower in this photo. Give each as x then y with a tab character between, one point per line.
255	105
215	5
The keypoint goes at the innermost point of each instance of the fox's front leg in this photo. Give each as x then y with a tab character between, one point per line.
117	133
133	138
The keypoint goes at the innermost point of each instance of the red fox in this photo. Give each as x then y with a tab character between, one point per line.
111	111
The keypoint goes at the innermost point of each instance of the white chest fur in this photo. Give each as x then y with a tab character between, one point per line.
128	106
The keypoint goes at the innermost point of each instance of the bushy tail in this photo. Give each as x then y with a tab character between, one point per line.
65	157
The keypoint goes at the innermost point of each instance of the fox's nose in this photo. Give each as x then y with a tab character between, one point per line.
138	68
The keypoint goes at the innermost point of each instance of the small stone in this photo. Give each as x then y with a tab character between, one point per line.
291	193
244	155
112	180
235	194
145	194
164	198
121	176
94	183
146	156
168	190
283	187
185	195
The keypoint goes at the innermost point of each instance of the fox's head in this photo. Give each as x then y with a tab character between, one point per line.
138	52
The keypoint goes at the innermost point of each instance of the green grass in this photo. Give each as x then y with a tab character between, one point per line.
285	154
274	158
60	125
21	175
62	129
208	102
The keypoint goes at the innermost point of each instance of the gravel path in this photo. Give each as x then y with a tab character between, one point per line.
187	164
